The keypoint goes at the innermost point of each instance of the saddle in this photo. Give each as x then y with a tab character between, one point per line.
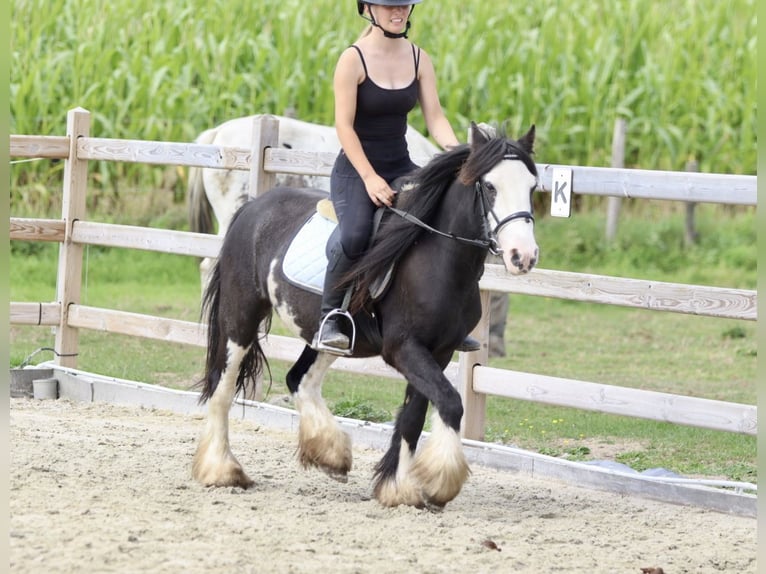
305	262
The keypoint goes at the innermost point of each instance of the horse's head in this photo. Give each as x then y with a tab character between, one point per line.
504	172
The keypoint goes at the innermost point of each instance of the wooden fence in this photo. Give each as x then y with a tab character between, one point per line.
470	374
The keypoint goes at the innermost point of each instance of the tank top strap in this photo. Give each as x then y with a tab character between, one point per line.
361	57
416	58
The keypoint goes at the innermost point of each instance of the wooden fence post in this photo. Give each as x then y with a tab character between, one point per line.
265	135
691	235
618	160
69	279
474	404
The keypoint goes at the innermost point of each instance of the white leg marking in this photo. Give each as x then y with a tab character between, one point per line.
401	488
440	466
214	463
321	442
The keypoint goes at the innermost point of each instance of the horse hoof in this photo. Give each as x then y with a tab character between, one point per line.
233	478
437	492
336	468
434	507
332	455
227	473
336	475
392	493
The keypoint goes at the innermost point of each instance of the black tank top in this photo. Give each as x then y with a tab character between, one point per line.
381	122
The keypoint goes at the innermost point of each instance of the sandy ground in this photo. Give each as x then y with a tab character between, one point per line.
102	488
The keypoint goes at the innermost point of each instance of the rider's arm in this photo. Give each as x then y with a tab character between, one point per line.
437	123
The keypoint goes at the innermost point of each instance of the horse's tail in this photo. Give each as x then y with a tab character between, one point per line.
216	348
254	360
200	210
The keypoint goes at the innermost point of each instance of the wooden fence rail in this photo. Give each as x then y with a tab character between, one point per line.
601	181
643	294
469	375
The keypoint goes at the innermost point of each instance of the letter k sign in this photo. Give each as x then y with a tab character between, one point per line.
561	203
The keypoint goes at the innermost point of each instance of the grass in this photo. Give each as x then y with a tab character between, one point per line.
687	355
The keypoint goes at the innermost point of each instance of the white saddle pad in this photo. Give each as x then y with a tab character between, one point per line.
305	262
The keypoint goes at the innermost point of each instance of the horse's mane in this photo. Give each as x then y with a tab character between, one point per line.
420	195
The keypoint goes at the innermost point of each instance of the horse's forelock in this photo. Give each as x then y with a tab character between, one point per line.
485	156
482	159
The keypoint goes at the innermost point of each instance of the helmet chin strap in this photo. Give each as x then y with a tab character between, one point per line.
388	34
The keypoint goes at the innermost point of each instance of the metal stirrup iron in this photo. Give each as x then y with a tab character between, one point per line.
341	311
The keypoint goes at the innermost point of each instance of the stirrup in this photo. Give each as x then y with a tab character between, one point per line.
317	344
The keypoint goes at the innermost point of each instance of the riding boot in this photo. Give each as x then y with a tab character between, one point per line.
330	334
469	344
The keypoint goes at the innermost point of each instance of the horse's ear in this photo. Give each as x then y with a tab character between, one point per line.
527	141
479	136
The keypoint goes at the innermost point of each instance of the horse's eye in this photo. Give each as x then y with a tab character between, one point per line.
489	186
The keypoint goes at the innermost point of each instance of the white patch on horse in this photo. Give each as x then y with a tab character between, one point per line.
214	463
280	307
401	488
514	183
321	441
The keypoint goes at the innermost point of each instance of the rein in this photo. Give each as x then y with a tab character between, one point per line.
489	243
490	240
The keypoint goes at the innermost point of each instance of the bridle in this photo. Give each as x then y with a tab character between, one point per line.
489	241
486	207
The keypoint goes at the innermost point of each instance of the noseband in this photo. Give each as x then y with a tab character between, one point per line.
490	236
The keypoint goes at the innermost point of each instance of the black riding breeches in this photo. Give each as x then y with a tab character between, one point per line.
354	208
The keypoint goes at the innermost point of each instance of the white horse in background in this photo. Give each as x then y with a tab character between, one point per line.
220	192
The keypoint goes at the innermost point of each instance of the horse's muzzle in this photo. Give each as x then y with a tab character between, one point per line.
518	262
519	248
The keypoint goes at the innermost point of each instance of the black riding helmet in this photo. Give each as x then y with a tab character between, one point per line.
360	7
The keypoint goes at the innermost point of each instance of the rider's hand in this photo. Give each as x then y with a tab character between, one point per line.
379	191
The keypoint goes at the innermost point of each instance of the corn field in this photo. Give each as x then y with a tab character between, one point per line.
682	73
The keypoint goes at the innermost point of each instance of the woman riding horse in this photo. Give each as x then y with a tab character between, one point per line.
378	80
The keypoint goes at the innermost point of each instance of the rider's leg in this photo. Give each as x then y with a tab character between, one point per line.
355	211
330	334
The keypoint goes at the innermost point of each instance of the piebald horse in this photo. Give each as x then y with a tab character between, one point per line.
449	214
